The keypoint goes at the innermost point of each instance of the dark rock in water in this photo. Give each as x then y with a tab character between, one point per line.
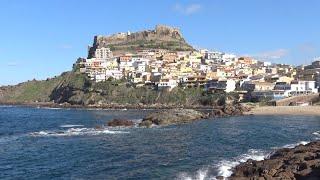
120	122
229	110
301	162
173	116
217	113
146	123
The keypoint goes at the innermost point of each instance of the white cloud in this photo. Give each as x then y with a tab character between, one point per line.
275	54
187	9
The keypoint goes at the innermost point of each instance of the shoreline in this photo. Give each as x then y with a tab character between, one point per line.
285	110
255	110
106	106
301	162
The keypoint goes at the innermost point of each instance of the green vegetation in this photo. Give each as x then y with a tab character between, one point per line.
151	44
76	88
31	91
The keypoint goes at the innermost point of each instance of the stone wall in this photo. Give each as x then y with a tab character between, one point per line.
160	35
297	99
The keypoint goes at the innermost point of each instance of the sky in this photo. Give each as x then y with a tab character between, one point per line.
41	39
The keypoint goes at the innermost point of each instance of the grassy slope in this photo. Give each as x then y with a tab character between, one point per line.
31	91
40	91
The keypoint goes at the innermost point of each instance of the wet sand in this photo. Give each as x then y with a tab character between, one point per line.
285	110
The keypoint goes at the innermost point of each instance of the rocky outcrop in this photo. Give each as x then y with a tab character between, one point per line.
162	36
301	162
71	89
173	116
181	116
120	122
229	110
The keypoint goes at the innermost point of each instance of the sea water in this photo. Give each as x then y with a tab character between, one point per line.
42	143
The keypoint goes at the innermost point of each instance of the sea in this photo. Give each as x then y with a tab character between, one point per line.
53	143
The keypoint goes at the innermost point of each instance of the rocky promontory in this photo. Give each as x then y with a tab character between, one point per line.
181	116
163	37
301	162
173	116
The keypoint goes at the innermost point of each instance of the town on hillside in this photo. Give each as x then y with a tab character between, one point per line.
252	79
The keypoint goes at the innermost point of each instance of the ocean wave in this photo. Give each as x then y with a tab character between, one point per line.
225	166
295	144
317	133
201	174
76	132
71	125
50	108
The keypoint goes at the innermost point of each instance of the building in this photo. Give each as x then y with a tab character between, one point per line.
257	86
221	85
167	84
103	53
303	87
267	95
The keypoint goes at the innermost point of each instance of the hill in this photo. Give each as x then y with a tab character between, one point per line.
75	88
162	37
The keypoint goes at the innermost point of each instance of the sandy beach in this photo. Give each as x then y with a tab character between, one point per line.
285	110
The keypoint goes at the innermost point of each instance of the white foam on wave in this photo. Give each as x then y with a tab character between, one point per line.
50	108
225	166
317	133
295	144
76	132
71	125
201	174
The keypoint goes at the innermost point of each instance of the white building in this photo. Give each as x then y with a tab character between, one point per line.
103	53
140	64
165	83
228	57
303	87
116	74
99	77
231	85
214	55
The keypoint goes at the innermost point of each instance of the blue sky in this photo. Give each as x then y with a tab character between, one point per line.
40	39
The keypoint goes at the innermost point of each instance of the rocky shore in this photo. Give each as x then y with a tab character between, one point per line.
105	106
301	162
173	116
164	115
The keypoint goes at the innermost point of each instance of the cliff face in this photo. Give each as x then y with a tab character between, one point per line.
163	37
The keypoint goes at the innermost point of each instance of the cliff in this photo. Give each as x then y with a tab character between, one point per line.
162	37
